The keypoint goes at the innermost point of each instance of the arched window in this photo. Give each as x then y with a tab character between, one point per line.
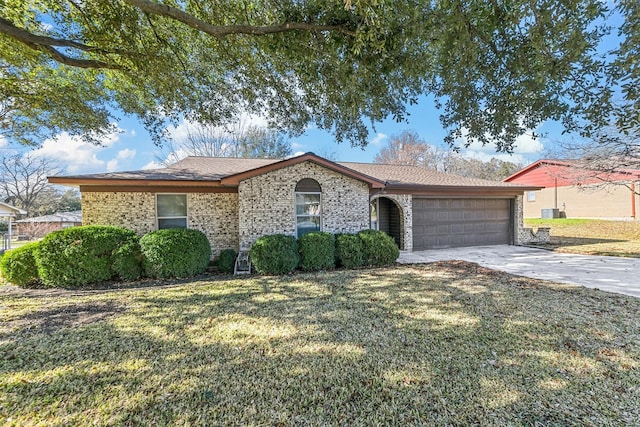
308	207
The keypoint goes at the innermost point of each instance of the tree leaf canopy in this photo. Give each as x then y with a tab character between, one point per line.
495	68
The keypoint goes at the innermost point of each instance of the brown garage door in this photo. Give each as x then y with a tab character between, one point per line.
443	223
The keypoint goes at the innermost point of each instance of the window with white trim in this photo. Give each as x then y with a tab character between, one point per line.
531	196
308	207
171	210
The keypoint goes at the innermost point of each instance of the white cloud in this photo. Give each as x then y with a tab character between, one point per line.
379	139
112	165
298	153
126	154
76	155
179	133
296	145
524	146
152	165
133	132
3	141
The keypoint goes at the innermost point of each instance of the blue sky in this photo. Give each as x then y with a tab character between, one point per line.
131	148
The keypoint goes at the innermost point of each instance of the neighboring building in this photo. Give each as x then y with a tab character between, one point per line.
9	212
236	201
576	192
39	226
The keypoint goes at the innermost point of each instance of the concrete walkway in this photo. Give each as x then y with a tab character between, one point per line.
613	274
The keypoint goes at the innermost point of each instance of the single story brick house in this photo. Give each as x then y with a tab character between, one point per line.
39	226
236	201
575	192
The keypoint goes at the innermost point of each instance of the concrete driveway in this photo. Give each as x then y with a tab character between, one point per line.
613	274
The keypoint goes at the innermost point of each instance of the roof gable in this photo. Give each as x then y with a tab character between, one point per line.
9	210
234	180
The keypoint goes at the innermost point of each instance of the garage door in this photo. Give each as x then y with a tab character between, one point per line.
444	223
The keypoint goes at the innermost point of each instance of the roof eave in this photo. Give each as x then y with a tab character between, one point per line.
416	188
76	181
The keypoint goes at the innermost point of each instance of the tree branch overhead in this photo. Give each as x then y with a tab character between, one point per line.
221	31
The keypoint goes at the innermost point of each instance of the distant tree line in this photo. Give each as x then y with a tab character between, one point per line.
408	148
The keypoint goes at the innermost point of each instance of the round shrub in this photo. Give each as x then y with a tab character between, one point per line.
90	254
126	261
175	252
19	267
275	254
378	248
226	262
349	250
317	251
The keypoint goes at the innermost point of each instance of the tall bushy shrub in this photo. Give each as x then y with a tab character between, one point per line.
317	251
18	266
378	248
349	250
226	261
275	254
84	255
175	252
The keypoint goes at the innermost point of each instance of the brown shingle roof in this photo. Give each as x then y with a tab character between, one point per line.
189	169
215	169
401	176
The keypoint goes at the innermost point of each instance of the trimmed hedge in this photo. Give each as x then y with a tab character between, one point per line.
175	252
226	262
275	254
19	267
90	254
348	250
317	251
378	248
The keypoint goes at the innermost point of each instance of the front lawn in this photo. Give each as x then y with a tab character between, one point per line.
439	344
592	237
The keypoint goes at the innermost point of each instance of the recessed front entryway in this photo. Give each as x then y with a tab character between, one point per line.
444	223
386	216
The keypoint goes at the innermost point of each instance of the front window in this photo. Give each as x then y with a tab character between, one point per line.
531	196
308	213
308	207
171	210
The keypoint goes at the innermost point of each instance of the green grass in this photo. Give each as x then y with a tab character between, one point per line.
593	237
438	344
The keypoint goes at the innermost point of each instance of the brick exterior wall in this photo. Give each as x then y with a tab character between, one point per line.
215	214
520	234
267	202
135	211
